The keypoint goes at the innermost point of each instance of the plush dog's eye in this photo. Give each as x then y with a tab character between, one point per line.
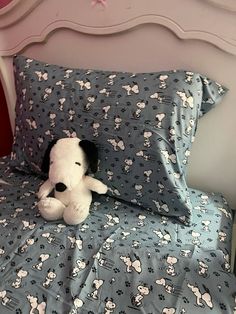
78	163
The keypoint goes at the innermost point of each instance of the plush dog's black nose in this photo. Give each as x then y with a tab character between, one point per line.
60	187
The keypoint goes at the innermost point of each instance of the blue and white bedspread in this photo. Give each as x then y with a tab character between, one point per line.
121	260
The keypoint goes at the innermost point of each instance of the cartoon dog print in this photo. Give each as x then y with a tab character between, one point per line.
200	297
226	264
9	302
141	219
147	135
78	304
189	77
164	236
48	92
84	84
61	102
158	97
28	225
59	228
138	188
117	144
49	278
132	264
42	258
84	227
67	73
190	126
163	79
61	84
36	307
159	118
117	120
170	269
108	244
103	261
51	239
141	153
105	111
2	251
168	157
143	290
112	220
4	298
172	134
42	76
168	286
17	211
185	253
31	123
135	244
75	242
110	175
20	275
80	266
111	79
28	243
195	237
187	100
141	105
90	102
162	207
205	225
109	306
225	212
222	236
131	88
202	269
128	163
96	126
147	174
105	92
97	283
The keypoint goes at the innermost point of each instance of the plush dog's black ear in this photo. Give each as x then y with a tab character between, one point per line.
46	159
91	152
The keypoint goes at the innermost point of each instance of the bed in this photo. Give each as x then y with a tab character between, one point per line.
143	83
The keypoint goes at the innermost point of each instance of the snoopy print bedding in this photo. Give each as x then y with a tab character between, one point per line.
121	259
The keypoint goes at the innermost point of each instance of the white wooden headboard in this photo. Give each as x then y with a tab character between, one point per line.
138	35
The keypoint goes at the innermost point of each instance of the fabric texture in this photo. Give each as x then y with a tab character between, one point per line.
143	124
120	260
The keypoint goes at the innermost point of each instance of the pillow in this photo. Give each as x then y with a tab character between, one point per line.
143	124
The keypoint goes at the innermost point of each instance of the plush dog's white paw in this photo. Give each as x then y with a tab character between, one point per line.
50	208
75	213
102	188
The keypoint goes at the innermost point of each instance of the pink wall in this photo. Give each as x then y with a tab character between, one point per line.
5	128
3	3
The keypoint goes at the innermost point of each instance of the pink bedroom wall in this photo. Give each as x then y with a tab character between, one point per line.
3	3
5	128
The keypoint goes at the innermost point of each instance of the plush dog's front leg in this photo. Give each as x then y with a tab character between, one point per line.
95	185
45	189
49	207
76	212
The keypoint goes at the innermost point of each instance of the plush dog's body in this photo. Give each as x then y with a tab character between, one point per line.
69	160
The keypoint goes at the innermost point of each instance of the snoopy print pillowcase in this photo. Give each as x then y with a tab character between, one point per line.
143	125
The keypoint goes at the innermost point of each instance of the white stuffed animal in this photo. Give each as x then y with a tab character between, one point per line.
66	161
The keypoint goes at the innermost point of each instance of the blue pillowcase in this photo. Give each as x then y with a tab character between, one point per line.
143	125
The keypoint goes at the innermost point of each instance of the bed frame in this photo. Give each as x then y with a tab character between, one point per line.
197	35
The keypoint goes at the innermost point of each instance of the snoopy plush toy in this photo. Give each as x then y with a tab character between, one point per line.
67	161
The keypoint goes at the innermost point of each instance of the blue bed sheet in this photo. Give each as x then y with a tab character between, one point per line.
121	259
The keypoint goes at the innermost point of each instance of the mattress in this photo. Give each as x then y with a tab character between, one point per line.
121	259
